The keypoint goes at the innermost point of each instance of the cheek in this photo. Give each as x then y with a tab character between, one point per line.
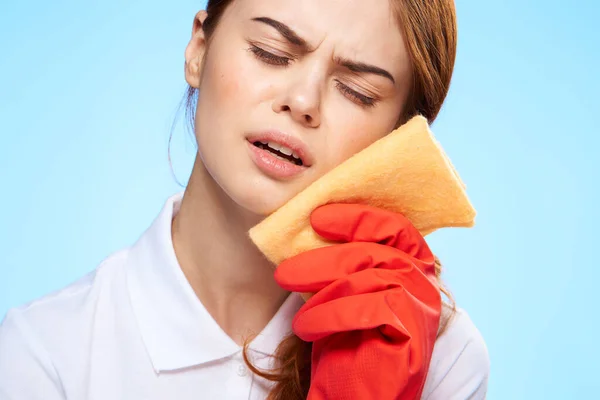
224	93
351	144
238	82
222	83
348	136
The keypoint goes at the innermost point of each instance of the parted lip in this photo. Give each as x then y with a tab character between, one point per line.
283	139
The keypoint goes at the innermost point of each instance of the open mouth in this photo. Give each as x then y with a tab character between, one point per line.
279	151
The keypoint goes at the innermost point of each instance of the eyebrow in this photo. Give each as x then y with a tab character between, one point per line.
295	39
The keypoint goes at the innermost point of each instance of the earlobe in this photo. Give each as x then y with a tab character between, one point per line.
193	72
194	52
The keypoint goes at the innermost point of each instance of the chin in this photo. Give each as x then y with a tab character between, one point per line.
260	196
250	189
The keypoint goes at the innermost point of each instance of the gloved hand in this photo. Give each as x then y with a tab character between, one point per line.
375	314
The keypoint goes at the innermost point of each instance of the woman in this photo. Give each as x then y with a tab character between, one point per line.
168	317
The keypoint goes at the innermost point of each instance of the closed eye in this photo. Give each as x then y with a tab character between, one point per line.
270	58
364	100
273	59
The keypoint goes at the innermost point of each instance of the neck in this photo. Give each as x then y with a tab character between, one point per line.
230	276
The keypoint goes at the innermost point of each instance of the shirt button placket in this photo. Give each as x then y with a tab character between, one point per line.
242	370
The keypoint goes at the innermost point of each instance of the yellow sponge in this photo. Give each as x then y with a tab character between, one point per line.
406	171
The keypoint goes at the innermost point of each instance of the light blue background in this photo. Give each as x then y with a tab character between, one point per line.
88	92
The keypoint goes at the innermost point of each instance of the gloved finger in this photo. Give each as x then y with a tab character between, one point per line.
363	223
313	270
395	314
366	300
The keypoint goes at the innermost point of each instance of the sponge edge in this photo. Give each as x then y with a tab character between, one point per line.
406	171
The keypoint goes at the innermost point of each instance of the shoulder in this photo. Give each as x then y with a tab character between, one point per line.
72	298
57	316
460	362
40	337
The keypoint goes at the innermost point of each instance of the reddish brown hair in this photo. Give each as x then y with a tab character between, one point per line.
429	29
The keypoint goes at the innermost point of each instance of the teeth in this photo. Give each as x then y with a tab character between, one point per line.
286	151
274	146
282	149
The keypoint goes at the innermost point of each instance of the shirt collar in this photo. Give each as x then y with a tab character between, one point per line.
176	329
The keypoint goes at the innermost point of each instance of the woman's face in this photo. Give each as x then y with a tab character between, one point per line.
322	78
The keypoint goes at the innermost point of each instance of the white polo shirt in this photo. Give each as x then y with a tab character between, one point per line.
134	329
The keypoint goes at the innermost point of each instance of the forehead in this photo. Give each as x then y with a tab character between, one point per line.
365	29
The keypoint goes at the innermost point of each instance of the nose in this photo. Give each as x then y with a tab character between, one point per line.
302	99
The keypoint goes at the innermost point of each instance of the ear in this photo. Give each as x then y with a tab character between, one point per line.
195	51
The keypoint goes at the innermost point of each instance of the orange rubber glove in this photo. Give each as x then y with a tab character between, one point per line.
374	317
